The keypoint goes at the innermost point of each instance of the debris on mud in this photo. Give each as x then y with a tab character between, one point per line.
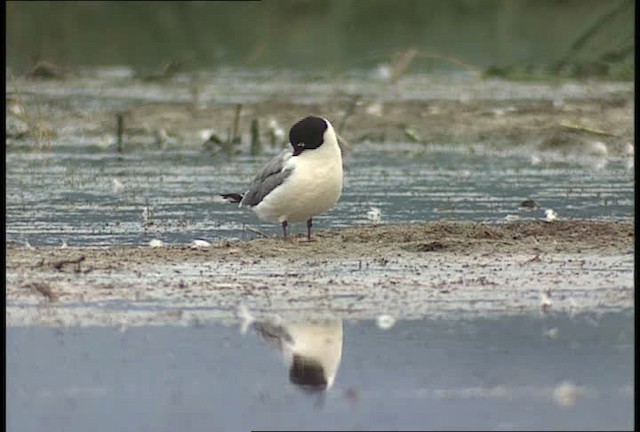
436	268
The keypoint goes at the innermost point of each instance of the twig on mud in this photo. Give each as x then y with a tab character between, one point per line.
257	231
581	128
38	264
168	70
534	259
87	270
450	58
235	137
58	265
44	69
403	60
401	63
44	289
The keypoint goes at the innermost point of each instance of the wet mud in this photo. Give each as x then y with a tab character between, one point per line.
445	269
448	269
562	116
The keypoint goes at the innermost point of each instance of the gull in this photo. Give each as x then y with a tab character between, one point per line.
299	183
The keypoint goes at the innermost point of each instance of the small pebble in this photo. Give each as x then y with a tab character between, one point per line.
628	149
196	244
566	393
550	215
156	243
385	322
117	185
374	215
597	148
375	109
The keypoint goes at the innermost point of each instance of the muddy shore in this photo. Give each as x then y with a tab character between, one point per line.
563	117
438	269
442	269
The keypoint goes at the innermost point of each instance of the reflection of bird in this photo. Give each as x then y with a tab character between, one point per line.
312	349
300	182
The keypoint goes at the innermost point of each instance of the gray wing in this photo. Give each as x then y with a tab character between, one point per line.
268	178
272	334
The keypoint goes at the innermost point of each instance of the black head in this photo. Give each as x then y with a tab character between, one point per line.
307	134
308	374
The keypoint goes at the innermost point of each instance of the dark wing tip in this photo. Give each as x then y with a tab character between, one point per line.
230	197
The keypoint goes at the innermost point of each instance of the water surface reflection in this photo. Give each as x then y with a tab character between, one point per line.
312	349
522	372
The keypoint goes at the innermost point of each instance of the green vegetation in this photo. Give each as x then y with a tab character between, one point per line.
516	39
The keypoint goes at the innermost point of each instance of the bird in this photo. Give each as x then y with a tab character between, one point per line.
299	183
311	348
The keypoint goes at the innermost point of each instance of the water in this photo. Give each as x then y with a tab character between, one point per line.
99	198
506	373
80	190
151	340
97	89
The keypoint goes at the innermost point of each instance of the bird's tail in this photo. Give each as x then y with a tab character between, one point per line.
229	198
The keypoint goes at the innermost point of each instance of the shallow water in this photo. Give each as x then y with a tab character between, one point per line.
99	198
478	354
524	372
81	191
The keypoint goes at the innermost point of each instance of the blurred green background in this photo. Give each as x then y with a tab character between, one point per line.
592	36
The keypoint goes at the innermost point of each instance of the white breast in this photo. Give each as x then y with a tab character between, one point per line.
314	186
320	341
